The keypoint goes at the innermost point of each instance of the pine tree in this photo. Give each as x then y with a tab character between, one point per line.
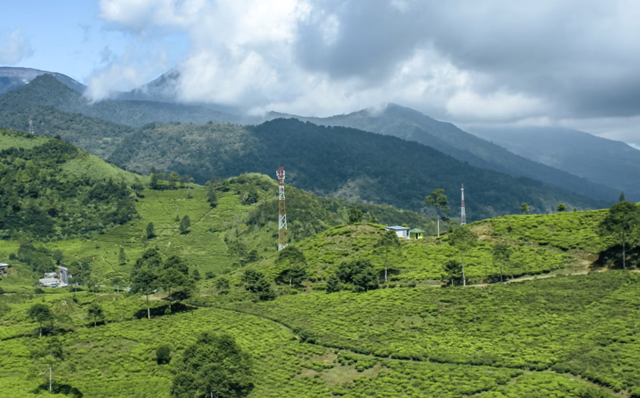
150	231
185	224
622	198
333	284
524	208
122	257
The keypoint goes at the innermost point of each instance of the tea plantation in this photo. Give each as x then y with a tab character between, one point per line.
560	328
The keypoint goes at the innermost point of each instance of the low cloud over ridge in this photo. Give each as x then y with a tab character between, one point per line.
472	63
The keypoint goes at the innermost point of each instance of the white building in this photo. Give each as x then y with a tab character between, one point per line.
402	232
3	268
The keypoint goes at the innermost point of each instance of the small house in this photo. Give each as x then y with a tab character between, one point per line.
402	232
416	233
3	268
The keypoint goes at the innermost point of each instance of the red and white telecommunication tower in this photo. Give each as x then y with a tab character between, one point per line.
463	214
282	213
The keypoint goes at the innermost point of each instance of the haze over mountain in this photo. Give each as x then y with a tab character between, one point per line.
607	162
13	78
412	125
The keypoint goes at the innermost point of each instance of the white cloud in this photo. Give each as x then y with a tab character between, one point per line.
502	62
14	48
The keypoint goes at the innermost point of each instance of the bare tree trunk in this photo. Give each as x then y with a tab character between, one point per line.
501	273
464	281
40	331
623	254
438	225
386	255
50	379
148	309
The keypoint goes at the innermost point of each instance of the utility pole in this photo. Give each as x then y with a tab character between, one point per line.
31	127
463	214
282	214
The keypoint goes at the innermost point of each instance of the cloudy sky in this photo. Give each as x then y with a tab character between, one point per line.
495	62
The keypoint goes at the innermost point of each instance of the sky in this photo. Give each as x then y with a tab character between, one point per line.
571	63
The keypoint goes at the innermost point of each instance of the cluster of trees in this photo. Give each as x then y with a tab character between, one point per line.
161	181
151	273
256	282
39	201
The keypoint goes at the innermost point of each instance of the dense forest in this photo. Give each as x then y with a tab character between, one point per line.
336	161
38	199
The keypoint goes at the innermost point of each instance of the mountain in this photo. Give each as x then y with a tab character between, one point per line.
12	78
46	90
607	162
338	162
409	124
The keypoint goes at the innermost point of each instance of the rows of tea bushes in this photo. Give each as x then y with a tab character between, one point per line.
587	325
571	230
415	260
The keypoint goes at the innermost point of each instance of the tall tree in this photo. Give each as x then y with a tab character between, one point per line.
41	314
150	231
333	283
185	224
622	198
355	215
144	274
438	200
622	223
122	257
463	239
562	207
451	272
360	273
297	274
501	255
212	198
524	208
95	313
388	241
213	367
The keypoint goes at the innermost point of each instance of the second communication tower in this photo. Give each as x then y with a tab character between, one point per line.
282	212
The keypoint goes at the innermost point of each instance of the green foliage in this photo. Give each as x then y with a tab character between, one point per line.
257	283
185	224
355	215
561	207
438	200
150	231
39	198
524	209
40	313
122	257
622	198
621	223
163	354
95	313
452	272
196	275
360	274
333	284
214	366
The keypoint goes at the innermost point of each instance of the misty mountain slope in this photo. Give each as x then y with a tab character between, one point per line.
412	125
607	162
45	90
12	78
336	161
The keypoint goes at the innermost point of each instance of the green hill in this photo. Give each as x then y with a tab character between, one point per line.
336	161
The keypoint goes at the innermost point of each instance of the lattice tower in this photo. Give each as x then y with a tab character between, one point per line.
282	212
463	214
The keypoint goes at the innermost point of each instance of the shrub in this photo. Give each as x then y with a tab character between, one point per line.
163	354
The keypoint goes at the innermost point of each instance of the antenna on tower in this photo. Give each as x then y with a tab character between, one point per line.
463	214
282	214
31	126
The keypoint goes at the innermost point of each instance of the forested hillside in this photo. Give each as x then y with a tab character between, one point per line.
607	162
336	161
409	124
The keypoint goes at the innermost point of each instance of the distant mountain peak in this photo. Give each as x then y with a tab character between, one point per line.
12	78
